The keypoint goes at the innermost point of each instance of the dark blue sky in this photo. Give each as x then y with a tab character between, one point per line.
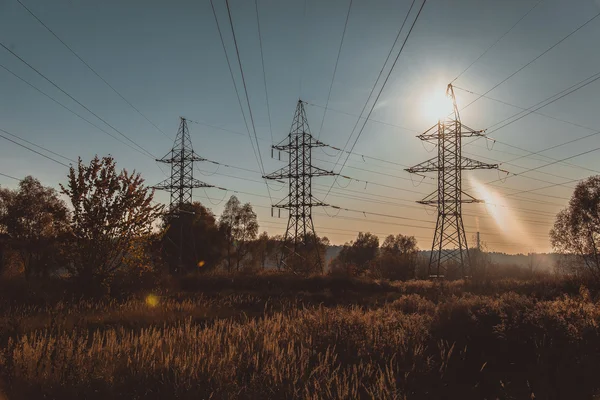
167	60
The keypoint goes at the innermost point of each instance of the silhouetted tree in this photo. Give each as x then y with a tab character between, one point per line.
576	230
112	214
240	227
261	249
397	258
35	222
203	243
357	257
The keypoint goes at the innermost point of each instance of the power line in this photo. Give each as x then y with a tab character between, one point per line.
498	40
237	51
74	99
262	59
360	117
546	165
303	45
386	79
11	177
32	150
374	86
335	68
90	67
38	146
71	111
237	92
535	59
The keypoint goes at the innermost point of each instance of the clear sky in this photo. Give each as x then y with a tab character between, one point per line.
166	58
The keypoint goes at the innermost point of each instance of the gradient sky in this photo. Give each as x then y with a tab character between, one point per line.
167	60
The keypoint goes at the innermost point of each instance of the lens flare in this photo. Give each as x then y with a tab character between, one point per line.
497	207
152	300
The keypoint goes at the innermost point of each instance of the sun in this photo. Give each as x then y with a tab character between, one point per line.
436	106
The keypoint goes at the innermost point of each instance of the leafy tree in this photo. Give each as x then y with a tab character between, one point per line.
576	230
262	248
398	257
240	227
112	215
357	257
196	232
35	221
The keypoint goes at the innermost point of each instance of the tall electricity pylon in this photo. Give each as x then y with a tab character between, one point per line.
300	238
181	182
449	241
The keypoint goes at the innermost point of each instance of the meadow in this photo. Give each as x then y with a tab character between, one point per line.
273	336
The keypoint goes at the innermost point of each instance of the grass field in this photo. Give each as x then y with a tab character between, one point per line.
282	337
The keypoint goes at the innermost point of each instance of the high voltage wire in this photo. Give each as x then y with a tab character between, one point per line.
552	163
233	81
380	214
358	180
71	111
498	40
378	222
385	81
362	199
374	86
90	68
38	146
545	103
262	59
528	177
534	59
11	177
522	167
528	109
237	51
303	45
327	108
73	98
337	60
32	150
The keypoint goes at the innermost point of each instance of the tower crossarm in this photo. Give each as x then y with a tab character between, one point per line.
279	174
430	165
316	171
430	134
466	132
177	158
430	200
470	164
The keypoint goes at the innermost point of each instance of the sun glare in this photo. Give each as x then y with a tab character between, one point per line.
436	106
497	207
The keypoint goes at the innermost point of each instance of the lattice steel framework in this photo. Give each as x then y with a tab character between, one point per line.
180	185
181	157
449	241
300	238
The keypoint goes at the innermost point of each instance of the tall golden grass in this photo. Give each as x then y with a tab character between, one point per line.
455	344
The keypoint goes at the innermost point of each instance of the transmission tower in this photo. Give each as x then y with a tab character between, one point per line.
180	185
300	238
449	241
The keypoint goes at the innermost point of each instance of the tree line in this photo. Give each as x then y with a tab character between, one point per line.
110	224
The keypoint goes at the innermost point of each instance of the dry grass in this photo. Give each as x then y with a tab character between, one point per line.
411	340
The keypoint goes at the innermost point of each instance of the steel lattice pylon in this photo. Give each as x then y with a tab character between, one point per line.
181	157
450	241
300	233
181	184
